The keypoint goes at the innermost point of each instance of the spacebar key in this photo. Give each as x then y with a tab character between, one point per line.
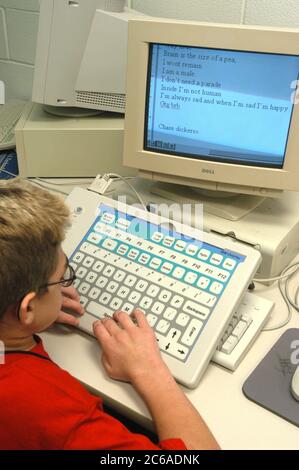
98	310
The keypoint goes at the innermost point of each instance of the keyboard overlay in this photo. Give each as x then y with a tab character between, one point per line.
124	262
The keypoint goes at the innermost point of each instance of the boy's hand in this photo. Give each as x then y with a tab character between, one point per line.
71	303
130	349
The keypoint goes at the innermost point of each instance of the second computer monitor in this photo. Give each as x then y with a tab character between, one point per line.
213	106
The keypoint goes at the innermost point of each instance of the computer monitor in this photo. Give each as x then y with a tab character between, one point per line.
81	54
212	106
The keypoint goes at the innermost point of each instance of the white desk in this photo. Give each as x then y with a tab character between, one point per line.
236	422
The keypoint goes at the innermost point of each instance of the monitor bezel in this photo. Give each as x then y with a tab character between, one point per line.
144	32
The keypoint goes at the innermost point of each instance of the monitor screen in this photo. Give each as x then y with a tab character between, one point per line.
219	105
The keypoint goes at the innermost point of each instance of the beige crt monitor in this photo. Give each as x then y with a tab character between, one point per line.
213	106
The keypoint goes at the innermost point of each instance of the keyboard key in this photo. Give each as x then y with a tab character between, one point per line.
144	258
229	344
178	272
182	319
98	266
192	250
204	254
108	271
167	268
229	264
141	285
109	244
108	218
119	276
112	287
146	302
216	287
180	245
163	326
123	292
158	308
155	263
165	296
91	277
98	310
170	313
116	304
130	280
83	300
127	307
240	329
157	237
105	298
168	241
84	288
133	254
203	282
78	257
152	319
94	293
191	332
88	262
122	249
191	278
134	297
177	301
196	310
101	282
95	237
216	259
81	272
153	291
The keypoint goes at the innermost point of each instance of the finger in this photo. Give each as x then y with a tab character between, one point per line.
67	319
110	325
106	364
73	305
123	319
100	332
141	318
70	292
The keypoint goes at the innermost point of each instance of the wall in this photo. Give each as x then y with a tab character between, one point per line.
262	12
19	20
18	30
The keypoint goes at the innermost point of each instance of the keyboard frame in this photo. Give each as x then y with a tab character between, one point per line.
83	205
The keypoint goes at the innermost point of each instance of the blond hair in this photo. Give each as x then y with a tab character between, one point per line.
32	227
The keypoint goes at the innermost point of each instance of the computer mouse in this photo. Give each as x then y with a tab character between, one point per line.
295	384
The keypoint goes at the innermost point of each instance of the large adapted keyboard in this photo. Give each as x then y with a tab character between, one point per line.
124	262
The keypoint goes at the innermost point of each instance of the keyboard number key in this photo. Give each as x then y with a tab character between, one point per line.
216	287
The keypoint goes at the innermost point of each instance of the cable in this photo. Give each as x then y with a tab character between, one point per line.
285	293
32	181
277	278
115	175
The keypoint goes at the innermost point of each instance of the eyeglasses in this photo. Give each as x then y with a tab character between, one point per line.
68	278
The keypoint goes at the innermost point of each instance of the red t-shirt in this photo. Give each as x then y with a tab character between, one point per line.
44	407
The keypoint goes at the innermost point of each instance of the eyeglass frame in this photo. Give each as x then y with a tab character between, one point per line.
64	282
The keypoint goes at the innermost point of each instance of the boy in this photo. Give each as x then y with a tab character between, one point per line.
42	406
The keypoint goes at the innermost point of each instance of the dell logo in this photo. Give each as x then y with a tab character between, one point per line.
209	172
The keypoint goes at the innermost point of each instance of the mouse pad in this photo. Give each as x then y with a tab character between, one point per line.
269	385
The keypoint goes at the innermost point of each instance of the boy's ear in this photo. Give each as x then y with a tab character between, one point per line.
26	311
